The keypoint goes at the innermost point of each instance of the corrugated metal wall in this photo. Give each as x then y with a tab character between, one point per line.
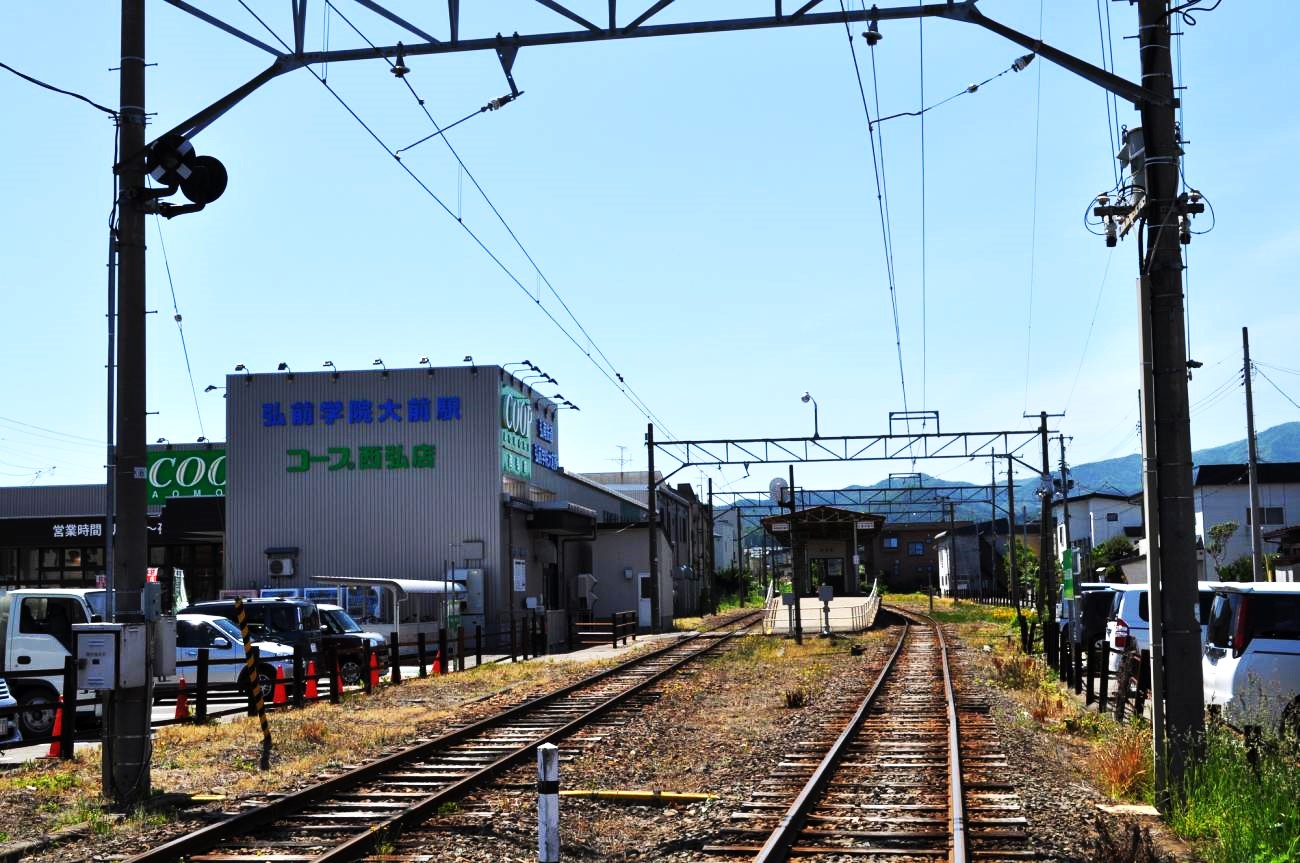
403	522
51	501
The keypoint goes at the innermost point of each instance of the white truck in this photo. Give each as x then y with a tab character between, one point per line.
36	625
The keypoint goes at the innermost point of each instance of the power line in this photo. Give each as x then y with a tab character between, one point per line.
39	83
73	438
176	316
1101	289
1033	225
877	164
1278	388
613	377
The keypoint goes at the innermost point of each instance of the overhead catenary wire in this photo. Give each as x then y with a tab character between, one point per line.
180	329
615	378
877	164
1033	221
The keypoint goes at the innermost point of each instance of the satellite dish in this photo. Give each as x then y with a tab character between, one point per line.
777	489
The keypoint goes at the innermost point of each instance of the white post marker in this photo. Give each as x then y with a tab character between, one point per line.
548	803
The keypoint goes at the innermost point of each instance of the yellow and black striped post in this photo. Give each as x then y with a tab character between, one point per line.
255	689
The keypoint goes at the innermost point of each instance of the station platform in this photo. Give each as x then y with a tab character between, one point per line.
846	614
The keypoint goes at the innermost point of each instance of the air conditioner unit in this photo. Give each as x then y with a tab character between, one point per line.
280	566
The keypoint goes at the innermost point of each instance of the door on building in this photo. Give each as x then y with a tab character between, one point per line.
643	601
828	570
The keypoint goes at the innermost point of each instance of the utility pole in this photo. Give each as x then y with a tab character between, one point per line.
1067	577
1162	296
794	571
1252	465
127	743
1046	558
1013	577
650	524
713	561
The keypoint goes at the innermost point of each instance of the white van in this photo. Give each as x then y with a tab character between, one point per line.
36	633
225	646
1251	664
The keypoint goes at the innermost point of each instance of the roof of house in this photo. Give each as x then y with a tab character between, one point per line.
1236	474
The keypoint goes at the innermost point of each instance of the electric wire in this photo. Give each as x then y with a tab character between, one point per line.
39	83
877	163
440	131
464	169
180	329
477	240
1033	221
1276	387
1083	356
1108	64
1282	369
71	438
920	23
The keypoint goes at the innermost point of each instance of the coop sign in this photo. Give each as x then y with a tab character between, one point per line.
516	425
186	473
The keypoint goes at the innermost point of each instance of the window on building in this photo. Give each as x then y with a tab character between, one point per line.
1267	515
916	549
1112	516
891	541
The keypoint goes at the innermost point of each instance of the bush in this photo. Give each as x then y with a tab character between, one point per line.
1123	762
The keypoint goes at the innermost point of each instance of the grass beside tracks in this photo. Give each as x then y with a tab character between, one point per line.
1230	809
1233	810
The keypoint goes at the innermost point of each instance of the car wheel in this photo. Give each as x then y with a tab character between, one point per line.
38	721
350	670
265	680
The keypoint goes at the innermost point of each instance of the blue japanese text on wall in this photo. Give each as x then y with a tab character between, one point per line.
416	409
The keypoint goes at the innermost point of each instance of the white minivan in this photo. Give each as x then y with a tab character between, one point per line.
225	647
1251	663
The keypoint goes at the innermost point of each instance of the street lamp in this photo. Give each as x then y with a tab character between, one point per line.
805	399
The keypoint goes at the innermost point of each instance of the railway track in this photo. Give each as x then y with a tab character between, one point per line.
345	817
908	773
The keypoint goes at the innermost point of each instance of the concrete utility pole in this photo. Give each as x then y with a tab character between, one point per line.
1046	598
1252	466
1185	720
1013	577
1065	503
650	524
127	744
794	571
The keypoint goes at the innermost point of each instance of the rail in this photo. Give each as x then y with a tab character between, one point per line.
455	763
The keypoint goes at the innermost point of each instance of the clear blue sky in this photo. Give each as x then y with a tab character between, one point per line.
705	205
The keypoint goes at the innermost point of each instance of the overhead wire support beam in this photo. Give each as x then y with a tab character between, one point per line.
919	445
636	29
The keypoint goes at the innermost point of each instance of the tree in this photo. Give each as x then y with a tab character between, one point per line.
1241	569
1217	547
1106	557
1026	571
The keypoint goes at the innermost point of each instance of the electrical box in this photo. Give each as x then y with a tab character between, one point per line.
110	655
151	600
164	647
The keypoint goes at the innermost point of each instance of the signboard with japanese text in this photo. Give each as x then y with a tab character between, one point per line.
186	473
516	428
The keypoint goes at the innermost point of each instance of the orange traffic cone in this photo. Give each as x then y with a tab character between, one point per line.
56	745
374	670
310	690
437	662
182	700
280	697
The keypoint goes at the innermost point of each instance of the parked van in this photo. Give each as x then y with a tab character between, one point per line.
36	634
9	732
1128	627
1251	663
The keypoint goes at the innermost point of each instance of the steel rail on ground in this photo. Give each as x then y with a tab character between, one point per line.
358	846
778	846
781	842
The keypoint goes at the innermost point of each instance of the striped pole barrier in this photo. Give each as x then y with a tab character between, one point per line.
250	667
548	803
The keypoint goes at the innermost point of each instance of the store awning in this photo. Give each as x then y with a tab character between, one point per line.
401	587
